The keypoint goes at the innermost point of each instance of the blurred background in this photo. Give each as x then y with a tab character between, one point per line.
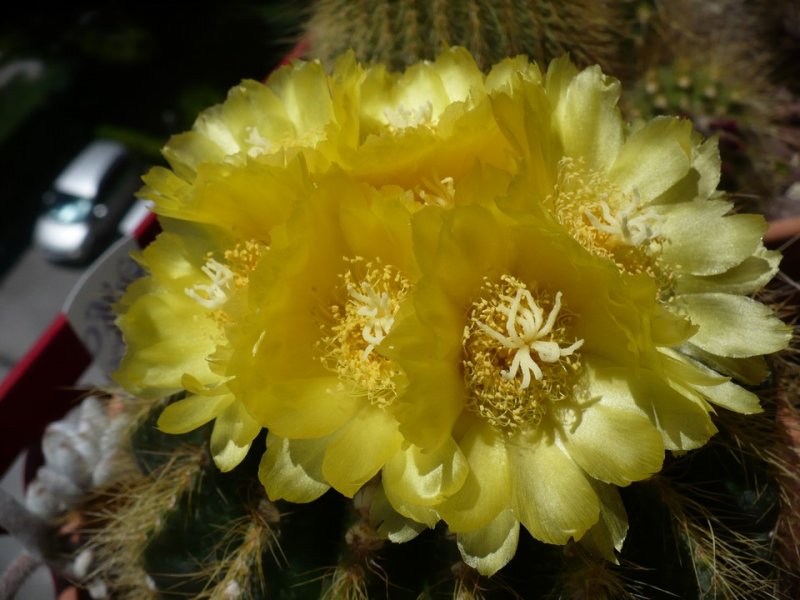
134	72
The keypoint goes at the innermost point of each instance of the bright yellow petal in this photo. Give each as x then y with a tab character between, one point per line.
292	469
491	548
304	408
426	477
192	412
233	433
552	496
734	326
360	449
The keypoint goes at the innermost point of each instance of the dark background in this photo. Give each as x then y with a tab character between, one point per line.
133	71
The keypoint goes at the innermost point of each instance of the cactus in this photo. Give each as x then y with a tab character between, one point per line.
401	32
720	522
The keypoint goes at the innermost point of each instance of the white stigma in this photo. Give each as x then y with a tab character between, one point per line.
525	328
630	224
377	308
212	295
403	118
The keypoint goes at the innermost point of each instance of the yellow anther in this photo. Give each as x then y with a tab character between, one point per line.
372	296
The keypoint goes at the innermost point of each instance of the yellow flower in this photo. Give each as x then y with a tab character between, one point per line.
305	358
422	130
174	320
542	362
173	323
485	289
645	200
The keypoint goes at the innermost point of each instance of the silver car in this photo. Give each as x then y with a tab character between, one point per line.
87	202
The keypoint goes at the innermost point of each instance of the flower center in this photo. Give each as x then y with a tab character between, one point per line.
372	293
403	117
438	193
225	276
605	220
518	356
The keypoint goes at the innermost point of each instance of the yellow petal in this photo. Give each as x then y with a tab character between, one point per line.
390	524
491	548
585	113
426	477
359	449
747	277
734	326
487	488
732	396
166	336
690	248
192	412
234	431
751	370
304	408
681	418
654	158
292	469
615	446
608	535
552	496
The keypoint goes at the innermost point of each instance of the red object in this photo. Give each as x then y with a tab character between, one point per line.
37	391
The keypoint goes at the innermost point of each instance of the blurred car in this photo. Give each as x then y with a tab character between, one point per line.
86	202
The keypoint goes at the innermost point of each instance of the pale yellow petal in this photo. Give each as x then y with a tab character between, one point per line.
292	469
586	114
489	549
751	370
552	496
654	158
747	277
607	536
390	524
733	397
360	449
426	477
612	445
487	488
734	326
681	417
691	249
233	433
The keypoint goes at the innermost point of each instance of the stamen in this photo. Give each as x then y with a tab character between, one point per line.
240	261
518	358
606	220
630	225
212	295
441	193
373	293
530	320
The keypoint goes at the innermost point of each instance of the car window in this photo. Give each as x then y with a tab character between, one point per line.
66	208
